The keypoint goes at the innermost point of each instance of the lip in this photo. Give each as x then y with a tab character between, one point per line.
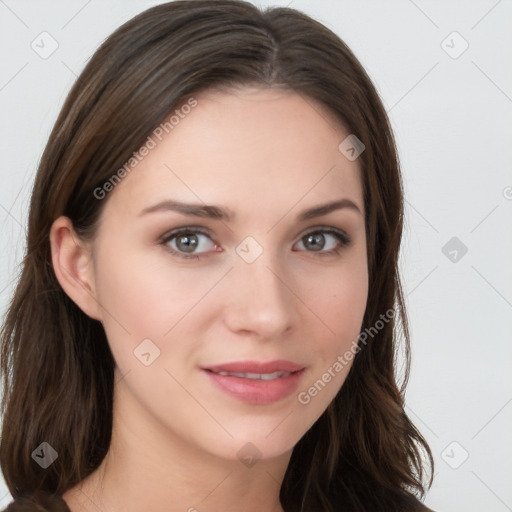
256	367
256	391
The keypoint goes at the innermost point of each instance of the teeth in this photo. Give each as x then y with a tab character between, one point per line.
255	376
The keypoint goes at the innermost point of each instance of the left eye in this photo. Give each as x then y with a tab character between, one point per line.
324	241
188	243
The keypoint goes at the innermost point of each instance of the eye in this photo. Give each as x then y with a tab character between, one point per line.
188	242
324	241
192	242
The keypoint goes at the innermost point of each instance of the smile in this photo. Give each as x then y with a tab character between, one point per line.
260	376
256	383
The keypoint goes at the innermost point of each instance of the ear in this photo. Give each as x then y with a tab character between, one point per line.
73	267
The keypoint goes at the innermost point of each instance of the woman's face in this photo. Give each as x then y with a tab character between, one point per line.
244	277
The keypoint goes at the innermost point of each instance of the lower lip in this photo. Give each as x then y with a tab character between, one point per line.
257	391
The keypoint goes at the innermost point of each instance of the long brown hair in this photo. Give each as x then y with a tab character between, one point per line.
363	453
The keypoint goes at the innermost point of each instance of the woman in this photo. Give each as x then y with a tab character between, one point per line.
210	301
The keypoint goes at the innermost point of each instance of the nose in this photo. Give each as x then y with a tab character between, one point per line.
261	300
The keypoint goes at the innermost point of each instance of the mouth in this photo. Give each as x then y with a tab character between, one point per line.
256	383
255	376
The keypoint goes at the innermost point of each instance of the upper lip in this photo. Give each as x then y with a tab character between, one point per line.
256	367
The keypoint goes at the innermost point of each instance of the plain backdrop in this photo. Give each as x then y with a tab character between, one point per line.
443	69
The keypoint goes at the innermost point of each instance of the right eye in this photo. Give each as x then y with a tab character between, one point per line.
188	243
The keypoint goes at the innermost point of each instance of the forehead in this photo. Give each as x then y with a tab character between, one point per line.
244	148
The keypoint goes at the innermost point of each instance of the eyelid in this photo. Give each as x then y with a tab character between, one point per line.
186	229
330	230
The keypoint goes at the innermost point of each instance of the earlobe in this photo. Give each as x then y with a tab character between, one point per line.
73	266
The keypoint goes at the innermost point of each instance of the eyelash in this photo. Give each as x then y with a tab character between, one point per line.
343	239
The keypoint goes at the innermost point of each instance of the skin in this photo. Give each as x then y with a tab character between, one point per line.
266	155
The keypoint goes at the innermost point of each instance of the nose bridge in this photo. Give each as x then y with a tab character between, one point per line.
260	300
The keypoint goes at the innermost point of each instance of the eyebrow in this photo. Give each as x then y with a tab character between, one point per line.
220	213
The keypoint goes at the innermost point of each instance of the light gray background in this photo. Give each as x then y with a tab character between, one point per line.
452	118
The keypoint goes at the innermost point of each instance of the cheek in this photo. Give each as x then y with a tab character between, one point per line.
339	302
145	297
144	294
145	305
338	297
134	301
